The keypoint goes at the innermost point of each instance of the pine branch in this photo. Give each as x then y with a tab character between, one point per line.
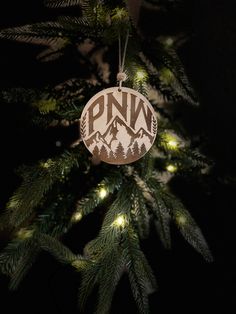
108	264
37	181
62	102
173	63
18	257
19	94
145	270
110	232
120	207
62	3
187	226
83	26
57	249
23	267
55	216
150	190
193	159
12	254
112	267
140	215
47	34
162	214
89	281
74	22
141	278
165	63
110	183
111	235
51	54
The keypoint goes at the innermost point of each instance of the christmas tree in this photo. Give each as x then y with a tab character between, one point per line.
128	201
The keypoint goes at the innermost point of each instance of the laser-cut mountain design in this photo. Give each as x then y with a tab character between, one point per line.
119	142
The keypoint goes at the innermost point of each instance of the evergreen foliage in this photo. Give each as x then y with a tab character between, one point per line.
45	206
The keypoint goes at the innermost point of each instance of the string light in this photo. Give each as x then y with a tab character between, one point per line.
140	75
172	144
181	220
166	75
76	217
172	141
58	143
120	221
102	193
47	164
119	14
169	41
171	168
79	264
25	233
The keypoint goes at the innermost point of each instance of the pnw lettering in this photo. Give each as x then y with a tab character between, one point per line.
137	107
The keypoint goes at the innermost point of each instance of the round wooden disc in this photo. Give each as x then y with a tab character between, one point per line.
118	126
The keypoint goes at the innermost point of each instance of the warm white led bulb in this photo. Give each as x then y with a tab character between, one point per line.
140	75
102	193
181	219
171	168
120	221
77	217
169	41
172	144
25	233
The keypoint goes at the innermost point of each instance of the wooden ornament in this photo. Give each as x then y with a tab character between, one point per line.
118	126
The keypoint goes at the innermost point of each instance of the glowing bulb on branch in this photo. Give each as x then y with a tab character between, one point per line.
46	164
141	75
119	14
120	221
102	193
171	168
76	217
166	76
172	144
169	41
171	141
181	220
25	233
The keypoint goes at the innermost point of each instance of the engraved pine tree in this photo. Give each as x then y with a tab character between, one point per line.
96	151
143	149
111	156
120	153
129	154
136	149
103	153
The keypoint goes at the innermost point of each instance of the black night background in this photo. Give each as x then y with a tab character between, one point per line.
187	284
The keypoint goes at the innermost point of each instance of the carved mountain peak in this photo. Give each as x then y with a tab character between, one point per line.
113	124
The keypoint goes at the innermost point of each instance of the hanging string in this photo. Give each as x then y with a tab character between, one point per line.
121	76
119	40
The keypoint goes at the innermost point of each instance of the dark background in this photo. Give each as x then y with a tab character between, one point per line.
187	284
